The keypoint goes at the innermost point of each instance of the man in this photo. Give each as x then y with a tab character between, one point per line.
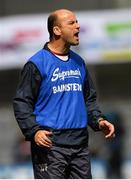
55	101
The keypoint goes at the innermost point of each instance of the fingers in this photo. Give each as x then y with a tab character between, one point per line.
42	138
44	142
111	131
110	135
107	128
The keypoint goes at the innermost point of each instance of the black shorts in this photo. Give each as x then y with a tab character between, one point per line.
61	162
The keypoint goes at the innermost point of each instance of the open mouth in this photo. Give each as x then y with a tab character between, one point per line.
76	34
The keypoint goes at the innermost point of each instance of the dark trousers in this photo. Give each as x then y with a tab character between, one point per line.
60	162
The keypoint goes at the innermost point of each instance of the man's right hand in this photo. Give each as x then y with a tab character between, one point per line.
41	138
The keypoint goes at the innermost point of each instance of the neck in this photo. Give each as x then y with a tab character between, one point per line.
58	47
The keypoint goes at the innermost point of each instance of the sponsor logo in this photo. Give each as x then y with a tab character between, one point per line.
57	74
67	87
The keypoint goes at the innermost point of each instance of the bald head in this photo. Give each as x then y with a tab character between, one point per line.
54	19
61	12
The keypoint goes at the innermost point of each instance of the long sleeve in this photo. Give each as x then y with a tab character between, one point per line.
25	98
94	113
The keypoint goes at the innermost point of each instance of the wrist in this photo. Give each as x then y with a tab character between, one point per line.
99	122
100	119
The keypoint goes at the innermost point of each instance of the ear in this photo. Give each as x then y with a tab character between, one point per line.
56	30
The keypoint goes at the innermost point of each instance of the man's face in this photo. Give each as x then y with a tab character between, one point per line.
69	28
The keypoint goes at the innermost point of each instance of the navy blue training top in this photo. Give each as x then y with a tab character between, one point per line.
56	95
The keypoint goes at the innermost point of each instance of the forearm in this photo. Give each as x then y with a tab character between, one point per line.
24	100
95	116
25	118
94	113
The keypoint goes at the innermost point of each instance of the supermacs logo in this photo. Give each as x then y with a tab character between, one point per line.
57	74
62	75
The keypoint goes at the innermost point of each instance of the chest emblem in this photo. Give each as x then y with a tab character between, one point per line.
62	75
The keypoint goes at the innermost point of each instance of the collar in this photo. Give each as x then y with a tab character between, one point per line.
59	54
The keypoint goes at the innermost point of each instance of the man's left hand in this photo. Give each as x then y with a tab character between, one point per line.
107	128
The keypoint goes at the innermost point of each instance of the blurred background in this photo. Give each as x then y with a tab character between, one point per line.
105	44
